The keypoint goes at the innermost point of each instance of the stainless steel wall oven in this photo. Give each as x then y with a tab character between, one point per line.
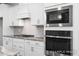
59	41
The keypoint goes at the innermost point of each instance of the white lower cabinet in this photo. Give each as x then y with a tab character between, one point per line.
7	42
15	46
18	44
33	48
27	48
37	48
24	47
37	51
21	53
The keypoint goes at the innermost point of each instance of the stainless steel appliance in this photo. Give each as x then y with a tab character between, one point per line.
58	41
59	17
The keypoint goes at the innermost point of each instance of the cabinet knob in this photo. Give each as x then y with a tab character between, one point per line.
19	54
38	21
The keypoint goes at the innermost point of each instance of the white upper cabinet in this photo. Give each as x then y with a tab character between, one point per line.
37	13
17	22
50	4
23	10
20	13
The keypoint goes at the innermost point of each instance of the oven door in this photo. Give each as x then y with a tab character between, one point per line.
60	45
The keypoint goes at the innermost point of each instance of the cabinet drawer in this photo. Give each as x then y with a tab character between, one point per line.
37	51
18	40
40	51
37	43
18	46
27	42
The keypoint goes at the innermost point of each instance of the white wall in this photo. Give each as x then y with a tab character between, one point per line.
76	29
39	32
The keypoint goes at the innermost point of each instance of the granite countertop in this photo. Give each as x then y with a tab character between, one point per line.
41	39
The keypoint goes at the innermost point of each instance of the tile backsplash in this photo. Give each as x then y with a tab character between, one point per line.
17	31
39	31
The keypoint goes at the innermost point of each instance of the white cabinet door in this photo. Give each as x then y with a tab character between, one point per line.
4	41
7	42
37	51
23	10
34	48
21	53
37	48
18	44
37	13
27	48
15	46
21	49
34	13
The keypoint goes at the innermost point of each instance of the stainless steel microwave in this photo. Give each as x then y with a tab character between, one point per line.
62	17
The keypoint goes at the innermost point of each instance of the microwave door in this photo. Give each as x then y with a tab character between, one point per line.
63	17
52	17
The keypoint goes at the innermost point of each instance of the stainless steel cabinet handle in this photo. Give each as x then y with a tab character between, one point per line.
32	49
6	42
18	53
37	43
20	46
38	21
14	45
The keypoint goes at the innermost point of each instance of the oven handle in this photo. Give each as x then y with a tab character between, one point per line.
58	36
